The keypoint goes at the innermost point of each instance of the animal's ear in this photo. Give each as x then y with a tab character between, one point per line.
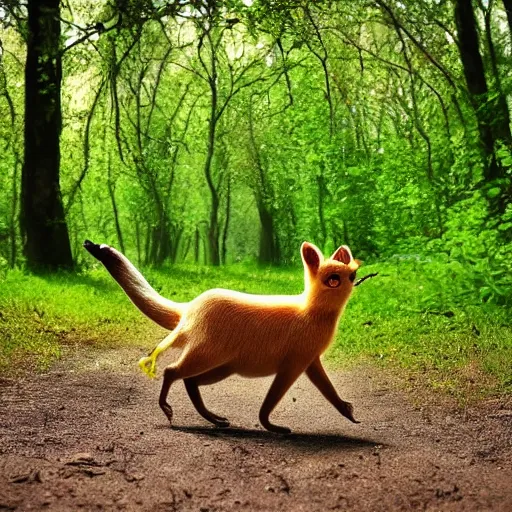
342	255
311	256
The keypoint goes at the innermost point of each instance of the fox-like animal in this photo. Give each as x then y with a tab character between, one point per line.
223	332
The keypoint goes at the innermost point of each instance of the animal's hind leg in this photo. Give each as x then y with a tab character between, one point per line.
170	375
210	377
189	364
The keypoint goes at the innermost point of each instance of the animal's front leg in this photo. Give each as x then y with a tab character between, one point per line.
319	378
279	387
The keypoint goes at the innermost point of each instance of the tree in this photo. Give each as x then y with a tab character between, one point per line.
222	131
226	76
508	9
45	233
492	117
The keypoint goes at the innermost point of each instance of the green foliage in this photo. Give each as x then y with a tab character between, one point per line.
416	315
350	140
39	315
480	250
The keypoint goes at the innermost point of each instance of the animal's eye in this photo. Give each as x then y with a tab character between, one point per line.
352	277
333	281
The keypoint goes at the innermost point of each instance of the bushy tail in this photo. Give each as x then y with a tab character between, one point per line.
162	311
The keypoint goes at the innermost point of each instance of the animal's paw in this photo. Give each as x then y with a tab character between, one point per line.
280	430
348	412
148	366
220	422
167	411
277	429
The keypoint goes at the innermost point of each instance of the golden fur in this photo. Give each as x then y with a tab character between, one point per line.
223	332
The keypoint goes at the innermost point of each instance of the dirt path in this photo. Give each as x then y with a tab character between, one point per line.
93	438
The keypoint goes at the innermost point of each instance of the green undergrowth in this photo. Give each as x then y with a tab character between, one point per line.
41	315
424	318
417	316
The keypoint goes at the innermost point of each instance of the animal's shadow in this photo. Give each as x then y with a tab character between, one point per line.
304	441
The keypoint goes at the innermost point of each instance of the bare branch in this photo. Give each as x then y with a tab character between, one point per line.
363	279
99	28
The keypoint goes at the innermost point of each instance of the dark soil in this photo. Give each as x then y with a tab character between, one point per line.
89	435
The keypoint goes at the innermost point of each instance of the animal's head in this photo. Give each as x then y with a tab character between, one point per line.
329	280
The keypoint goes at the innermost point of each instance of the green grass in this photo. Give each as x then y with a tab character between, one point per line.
39	315
420	317
424	317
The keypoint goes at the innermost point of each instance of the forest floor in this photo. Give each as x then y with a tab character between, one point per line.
89	435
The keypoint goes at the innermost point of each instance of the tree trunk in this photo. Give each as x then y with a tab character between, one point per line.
213	228
492	124
147	242
475	75
213	233
499	106
13	253
322	193
265	197
43	224
176	245
227	221
115	211
267	253
165	246
196	246
184	251
508	9
160	240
